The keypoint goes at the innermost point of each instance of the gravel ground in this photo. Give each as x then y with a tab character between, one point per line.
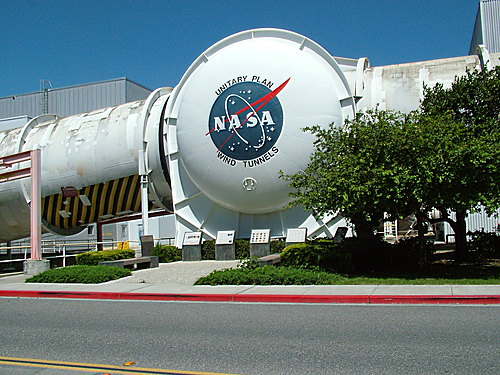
178	273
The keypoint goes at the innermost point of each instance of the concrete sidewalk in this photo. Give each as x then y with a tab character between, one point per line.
174	282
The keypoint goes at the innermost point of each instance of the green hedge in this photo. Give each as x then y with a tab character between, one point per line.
242	249
167	254
269	275
80	275
93	258
277	246
484	245
354	256
324	255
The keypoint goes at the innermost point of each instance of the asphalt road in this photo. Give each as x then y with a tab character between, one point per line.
255	338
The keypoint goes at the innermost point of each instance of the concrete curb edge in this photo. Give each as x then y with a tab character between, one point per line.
267	298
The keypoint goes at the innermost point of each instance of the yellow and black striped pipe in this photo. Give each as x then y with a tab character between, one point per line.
107	198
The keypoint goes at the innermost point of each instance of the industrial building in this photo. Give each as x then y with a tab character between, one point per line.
67	101
487	27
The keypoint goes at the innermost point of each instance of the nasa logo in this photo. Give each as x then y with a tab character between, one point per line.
245	121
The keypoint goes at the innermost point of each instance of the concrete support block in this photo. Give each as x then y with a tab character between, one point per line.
260	249
34	267
225	252
191	252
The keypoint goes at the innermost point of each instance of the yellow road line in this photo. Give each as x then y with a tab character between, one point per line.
92	367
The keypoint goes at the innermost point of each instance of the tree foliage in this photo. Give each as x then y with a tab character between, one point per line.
360	170
445	155
471	174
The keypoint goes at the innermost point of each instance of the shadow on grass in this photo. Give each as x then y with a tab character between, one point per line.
486	272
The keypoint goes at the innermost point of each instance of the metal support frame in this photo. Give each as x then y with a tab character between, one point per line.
144	192
34	171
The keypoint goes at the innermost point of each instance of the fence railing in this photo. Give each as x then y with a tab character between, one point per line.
70	248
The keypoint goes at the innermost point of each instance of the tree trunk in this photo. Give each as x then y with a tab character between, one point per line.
422	256
460	229
363	228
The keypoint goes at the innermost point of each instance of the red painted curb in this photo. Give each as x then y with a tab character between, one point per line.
281	298
303	298
436	299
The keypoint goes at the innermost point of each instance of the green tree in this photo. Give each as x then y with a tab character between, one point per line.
360	170
462	124
444	156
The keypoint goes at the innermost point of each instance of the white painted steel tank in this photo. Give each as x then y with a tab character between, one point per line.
89	166
235	121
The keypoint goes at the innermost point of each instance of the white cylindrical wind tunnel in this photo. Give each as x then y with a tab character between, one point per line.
90	166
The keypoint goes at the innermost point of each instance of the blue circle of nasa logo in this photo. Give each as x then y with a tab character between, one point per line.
245	121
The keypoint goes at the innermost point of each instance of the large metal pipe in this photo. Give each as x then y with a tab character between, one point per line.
90	166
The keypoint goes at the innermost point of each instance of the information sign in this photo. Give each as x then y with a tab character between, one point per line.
296	235
225	237
260	236
191	238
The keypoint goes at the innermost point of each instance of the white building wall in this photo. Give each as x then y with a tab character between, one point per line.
400	87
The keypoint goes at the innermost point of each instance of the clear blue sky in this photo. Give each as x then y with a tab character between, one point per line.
153	42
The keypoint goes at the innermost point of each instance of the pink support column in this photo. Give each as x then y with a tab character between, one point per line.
35	205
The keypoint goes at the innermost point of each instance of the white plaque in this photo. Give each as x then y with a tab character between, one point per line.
225	237
296	235
260	236
192	238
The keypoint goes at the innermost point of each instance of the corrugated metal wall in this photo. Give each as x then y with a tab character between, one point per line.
491	24
134	91
71	100
487	27
20	105
478	221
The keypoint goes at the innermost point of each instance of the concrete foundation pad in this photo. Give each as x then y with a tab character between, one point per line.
34	267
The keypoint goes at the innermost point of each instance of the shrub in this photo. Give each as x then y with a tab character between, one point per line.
484	245
300	255
368	255
354	255
277	246
406	254
167	254
321	254
250	263
93	258
208	250
269	275
80	275
242	249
